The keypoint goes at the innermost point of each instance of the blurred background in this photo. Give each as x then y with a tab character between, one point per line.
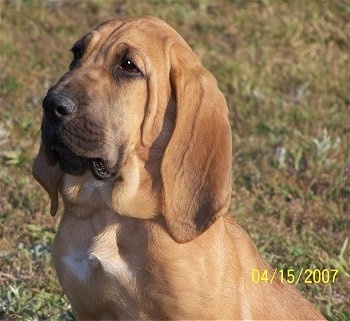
284	68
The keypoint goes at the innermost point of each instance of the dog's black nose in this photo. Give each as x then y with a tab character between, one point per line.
57	106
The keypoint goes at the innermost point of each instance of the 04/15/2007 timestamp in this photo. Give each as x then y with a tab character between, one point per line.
307	276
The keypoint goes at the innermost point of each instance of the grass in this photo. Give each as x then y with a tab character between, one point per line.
283	67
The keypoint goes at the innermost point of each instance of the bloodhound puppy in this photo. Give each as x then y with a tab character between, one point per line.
136	140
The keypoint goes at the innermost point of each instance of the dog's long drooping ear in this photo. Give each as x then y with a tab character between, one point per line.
48	176
196	166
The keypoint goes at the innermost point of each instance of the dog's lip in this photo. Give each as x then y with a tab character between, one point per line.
99	168
68	161
57	151
50	153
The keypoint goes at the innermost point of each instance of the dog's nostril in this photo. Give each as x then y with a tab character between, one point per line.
58	105
62	105
65	109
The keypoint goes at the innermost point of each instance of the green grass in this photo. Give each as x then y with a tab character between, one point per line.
284	69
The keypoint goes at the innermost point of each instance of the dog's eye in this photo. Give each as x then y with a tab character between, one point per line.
129	66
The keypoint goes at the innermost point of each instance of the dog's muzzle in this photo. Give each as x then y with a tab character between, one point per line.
64	145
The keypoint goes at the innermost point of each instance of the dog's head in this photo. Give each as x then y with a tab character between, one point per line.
138	112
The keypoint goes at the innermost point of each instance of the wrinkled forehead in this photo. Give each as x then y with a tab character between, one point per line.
148	35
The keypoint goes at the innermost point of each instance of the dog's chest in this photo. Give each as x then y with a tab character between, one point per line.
99	258
86	265
96	271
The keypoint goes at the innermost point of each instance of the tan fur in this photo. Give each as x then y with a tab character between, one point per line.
154	242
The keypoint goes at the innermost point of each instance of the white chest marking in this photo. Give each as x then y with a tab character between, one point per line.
83	264
79	265
113	264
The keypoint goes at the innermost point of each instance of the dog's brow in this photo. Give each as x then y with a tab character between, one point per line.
83	42
109	41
